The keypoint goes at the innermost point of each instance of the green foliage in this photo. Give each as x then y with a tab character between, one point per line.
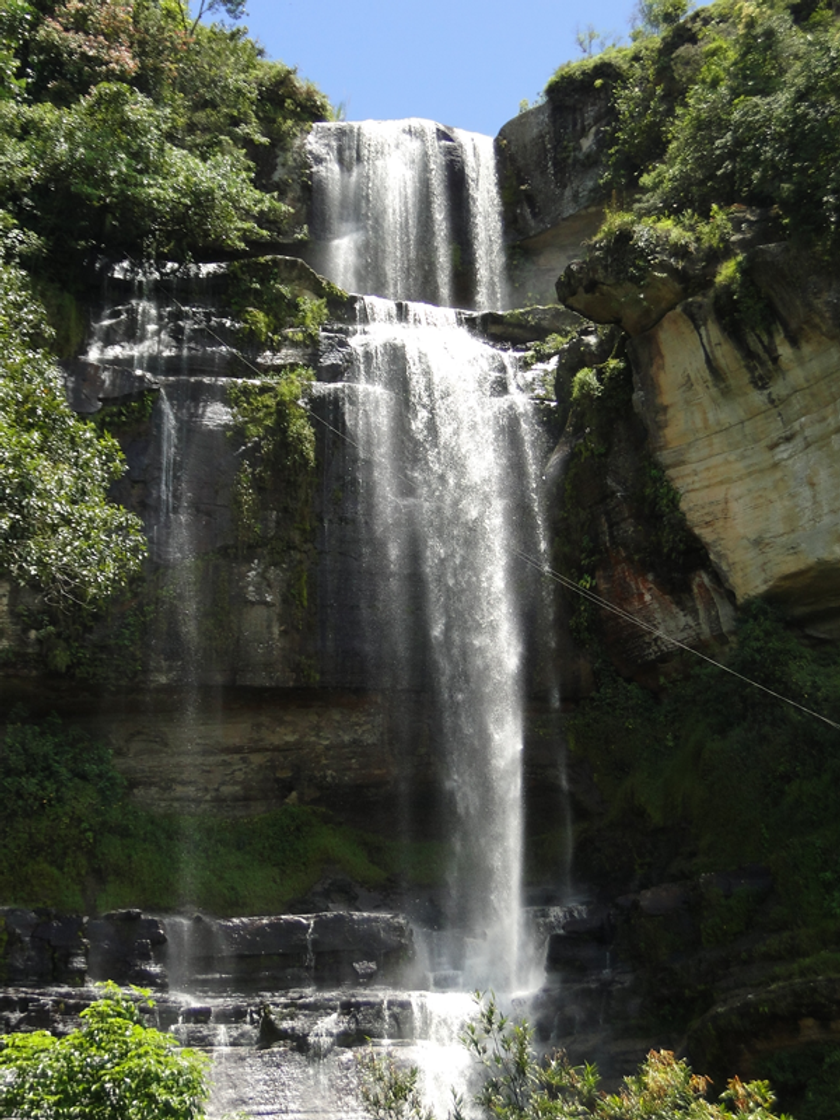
716	774
113	1068
272	308
58	531
738	300
599	71
670	536
127	414
272	423
389	1092
127	127
253	865
810	1076
70	838
652	17
59	791
107	160
736	105
518	1085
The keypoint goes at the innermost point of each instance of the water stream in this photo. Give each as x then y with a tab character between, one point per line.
408	210
448	484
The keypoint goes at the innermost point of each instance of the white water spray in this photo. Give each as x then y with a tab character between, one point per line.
408	210
449	487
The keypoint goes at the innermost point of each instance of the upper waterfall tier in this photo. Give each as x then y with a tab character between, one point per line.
408	210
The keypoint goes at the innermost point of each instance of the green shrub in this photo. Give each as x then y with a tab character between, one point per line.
518	1085
60	791
58	531
720	773
113	1068
736	105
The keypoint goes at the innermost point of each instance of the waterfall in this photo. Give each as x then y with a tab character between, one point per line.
407	210
444	492
448	477
448	486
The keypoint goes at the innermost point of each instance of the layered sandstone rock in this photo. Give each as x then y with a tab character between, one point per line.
747	426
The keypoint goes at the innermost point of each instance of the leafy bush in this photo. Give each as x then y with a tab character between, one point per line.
60	794
113	1068
58	531
517	1085
107	160
131	128
738	105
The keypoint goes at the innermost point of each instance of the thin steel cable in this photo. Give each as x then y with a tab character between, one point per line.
585	593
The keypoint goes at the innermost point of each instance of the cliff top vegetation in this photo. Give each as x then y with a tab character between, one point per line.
736	105
130	128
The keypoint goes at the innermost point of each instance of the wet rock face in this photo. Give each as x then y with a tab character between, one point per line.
43	949
327	949
621	970
602	489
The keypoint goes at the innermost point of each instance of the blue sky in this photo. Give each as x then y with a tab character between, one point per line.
459	62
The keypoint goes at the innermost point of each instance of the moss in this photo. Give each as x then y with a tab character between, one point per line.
725	919
65	315
276	298
73	840
668	537
121	417
739	301
242	866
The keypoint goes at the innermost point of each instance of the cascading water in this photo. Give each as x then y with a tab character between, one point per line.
408	210
448	479
449	486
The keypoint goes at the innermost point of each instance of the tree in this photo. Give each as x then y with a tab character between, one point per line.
113	1068
58	531
652	17
233	9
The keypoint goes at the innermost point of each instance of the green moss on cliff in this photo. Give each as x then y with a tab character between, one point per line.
71	839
